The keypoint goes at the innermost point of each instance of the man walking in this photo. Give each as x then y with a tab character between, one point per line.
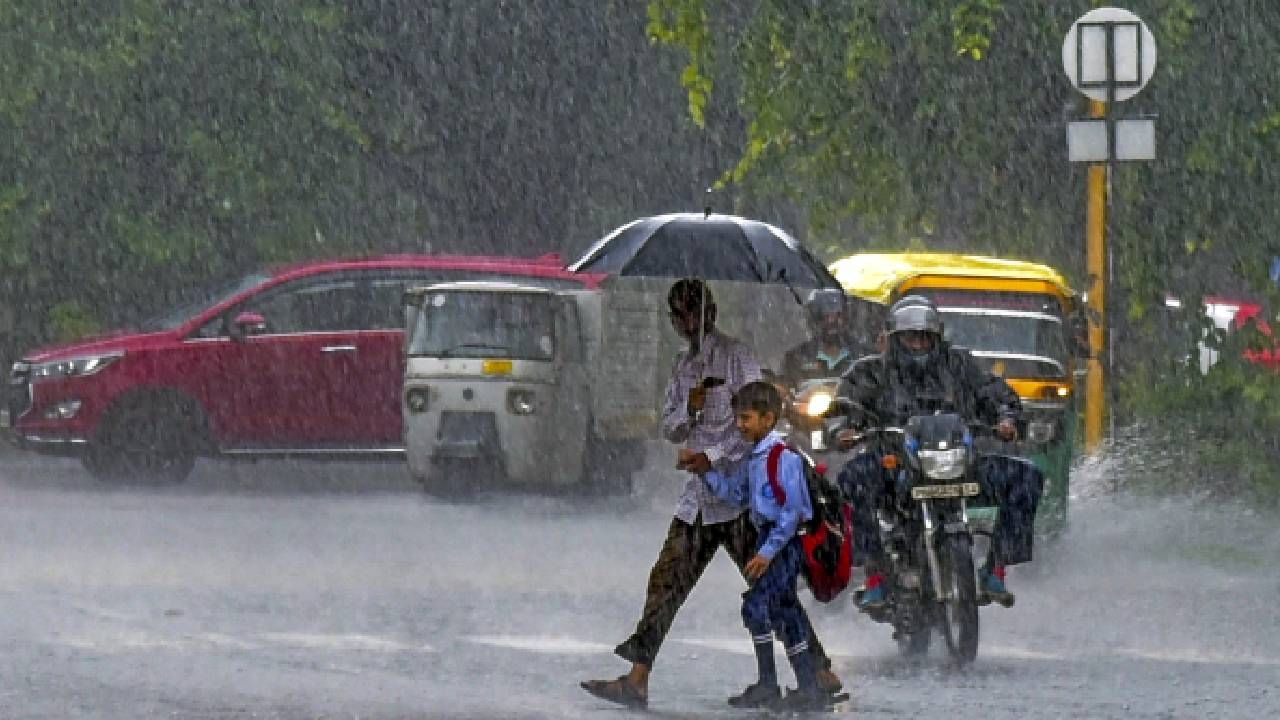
697	412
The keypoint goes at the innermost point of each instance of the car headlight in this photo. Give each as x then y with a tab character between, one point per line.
818	405
943	464
521	402
75	366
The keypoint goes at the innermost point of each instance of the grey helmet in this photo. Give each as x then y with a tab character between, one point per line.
914	313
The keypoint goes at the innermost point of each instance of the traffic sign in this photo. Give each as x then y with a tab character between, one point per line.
1109	54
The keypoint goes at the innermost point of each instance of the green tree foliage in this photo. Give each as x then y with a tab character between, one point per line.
153	145
947	121
943	125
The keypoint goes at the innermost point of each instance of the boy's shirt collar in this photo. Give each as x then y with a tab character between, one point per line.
773	438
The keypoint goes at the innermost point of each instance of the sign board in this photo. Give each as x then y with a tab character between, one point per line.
1109	50
1135	140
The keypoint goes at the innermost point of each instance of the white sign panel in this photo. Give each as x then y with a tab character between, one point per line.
1135	140
1132	55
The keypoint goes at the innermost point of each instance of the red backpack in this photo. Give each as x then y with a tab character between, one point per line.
827	539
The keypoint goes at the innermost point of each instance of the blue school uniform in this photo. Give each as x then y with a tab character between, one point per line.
771	603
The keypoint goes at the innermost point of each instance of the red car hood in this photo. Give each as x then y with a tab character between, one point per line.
107	342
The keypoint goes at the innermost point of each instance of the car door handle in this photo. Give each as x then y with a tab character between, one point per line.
338	348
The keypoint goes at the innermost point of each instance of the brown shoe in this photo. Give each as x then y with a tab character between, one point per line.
829	681
619	691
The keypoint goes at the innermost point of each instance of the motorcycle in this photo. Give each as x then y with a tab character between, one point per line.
926	532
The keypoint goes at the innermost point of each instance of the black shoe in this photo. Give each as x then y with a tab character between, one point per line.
756	695
811	700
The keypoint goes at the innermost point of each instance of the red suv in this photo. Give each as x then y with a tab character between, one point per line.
304	360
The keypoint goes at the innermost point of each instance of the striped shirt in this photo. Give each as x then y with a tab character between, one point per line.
716	433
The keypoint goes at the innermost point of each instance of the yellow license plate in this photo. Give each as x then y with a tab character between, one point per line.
938	492
497	367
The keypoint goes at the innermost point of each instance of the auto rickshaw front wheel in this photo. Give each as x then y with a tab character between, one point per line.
452	478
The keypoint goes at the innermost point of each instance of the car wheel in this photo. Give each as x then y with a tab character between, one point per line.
149	441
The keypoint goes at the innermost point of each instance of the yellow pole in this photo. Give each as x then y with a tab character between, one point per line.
1096	241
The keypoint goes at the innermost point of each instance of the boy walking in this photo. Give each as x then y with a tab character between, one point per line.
771	603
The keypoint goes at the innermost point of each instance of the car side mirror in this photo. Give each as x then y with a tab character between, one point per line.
247	324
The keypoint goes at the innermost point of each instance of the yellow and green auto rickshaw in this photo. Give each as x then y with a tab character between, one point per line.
1020	320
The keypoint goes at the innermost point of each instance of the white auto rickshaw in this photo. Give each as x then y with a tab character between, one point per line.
497	389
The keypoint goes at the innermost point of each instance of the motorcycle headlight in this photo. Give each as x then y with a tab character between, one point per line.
75	366
943	464
818	405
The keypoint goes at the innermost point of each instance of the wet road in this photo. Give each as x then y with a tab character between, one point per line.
274	591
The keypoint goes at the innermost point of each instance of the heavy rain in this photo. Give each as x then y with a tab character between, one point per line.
390	359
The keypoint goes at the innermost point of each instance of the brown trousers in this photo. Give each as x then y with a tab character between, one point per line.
684	556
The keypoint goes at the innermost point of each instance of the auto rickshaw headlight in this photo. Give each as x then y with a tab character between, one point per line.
521	402
1039	432
818	405
417	399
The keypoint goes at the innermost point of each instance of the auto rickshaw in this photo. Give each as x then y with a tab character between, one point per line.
496	388
1020	320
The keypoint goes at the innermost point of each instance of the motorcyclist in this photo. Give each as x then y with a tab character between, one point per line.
831	348
920	373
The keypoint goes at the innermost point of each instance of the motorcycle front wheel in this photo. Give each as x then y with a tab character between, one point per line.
959	611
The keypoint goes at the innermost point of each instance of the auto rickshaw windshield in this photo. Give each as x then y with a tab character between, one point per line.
1013	333
468	324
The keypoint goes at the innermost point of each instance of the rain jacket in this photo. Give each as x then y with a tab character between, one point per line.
808	361
953	382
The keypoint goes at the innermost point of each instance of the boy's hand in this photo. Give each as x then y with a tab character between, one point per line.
694	462
756	567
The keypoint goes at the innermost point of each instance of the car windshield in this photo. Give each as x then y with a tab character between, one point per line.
516	325
187	310
1006	333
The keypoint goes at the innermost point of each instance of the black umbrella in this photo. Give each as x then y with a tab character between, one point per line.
712	247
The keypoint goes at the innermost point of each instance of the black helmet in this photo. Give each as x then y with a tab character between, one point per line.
822	303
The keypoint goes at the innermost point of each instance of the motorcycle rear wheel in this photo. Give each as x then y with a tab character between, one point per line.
958	616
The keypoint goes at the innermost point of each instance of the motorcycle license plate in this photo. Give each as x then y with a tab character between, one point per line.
936	492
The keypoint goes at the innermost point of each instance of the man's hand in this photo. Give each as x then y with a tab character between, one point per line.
697	399
845	439
1007	430
755	567
684	456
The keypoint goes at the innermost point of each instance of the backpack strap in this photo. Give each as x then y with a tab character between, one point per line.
775	453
